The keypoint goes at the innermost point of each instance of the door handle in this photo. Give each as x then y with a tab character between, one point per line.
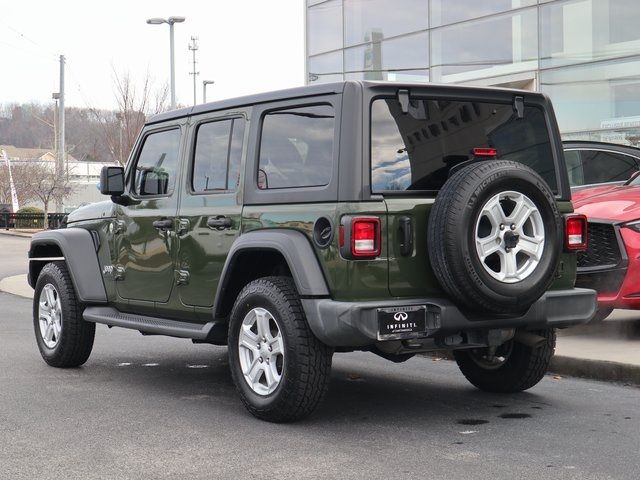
163	224
219	222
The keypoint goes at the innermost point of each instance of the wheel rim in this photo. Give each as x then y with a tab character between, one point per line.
488	361
50	316
509	236
261	351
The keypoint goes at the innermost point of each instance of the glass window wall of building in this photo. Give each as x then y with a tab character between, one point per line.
584	53
578	31
493	46
444	12
387	18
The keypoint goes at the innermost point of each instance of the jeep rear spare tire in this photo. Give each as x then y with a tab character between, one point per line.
494	236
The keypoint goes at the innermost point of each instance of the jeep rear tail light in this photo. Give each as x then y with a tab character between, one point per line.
575	233
360	237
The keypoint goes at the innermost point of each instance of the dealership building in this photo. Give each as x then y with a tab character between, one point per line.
585	54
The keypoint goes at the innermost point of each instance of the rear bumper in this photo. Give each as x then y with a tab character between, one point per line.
355	324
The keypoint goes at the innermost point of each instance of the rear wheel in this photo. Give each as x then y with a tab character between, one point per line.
63	337
513	367
280	369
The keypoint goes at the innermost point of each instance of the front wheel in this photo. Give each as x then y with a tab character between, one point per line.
280	369
513	367
64	338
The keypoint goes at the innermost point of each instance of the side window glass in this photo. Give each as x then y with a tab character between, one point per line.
574	168
218	152
296	147
603	167
157	164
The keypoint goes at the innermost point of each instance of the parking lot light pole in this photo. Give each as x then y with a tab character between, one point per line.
204	89
171	21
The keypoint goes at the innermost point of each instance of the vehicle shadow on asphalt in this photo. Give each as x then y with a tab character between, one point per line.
363	388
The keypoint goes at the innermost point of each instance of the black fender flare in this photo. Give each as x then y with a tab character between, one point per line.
297	251
79	253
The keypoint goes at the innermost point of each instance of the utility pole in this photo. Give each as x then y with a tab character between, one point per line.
193	46
60	161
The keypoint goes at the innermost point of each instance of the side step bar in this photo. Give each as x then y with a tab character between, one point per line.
214	332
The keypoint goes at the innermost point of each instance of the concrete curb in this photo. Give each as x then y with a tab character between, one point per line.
601	370
12	233
16	285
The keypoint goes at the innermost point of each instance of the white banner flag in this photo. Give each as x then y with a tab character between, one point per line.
14	195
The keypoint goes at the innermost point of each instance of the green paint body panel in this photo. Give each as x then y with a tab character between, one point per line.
202	251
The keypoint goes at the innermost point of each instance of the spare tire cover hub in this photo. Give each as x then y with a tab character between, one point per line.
509	236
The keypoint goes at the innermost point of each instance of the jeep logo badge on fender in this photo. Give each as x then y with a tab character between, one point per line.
398	323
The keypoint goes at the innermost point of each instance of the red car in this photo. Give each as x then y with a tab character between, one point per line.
611	264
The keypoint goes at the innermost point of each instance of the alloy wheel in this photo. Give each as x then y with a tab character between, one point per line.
50	316
261	351
509	236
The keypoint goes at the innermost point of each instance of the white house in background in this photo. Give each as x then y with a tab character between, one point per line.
83	175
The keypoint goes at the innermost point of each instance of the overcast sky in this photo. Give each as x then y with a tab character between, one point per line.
246	46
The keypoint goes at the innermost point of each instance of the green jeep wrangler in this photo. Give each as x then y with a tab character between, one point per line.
389	218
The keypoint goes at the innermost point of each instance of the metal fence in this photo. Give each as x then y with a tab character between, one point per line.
31	221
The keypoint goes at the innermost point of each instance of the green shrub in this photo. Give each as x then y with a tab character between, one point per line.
33	222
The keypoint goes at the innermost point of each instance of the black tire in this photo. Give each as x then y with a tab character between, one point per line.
307	361
75	341
601	314
451	237
523	368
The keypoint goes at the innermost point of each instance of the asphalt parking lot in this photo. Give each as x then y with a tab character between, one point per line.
154	407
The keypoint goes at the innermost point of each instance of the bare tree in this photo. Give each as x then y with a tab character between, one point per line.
120	128
23	179
48	186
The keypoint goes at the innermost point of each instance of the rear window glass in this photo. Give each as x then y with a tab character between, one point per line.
420	150
296	147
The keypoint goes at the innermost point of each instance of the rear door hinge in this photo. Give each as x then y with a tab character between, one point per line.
403	99
518	106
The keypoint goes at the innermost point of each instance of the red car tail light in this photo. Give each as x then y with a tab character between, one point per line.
360	237
575	232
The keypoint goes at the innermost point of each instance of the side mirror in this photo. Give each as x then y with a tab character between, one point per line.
112	181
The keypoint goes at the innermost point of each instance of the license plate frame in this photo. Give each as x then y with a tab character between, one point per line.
399	323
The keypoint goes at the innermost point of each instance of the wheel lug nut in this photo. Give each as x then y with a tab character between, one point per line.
513	226
260	359
501	226
270	349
